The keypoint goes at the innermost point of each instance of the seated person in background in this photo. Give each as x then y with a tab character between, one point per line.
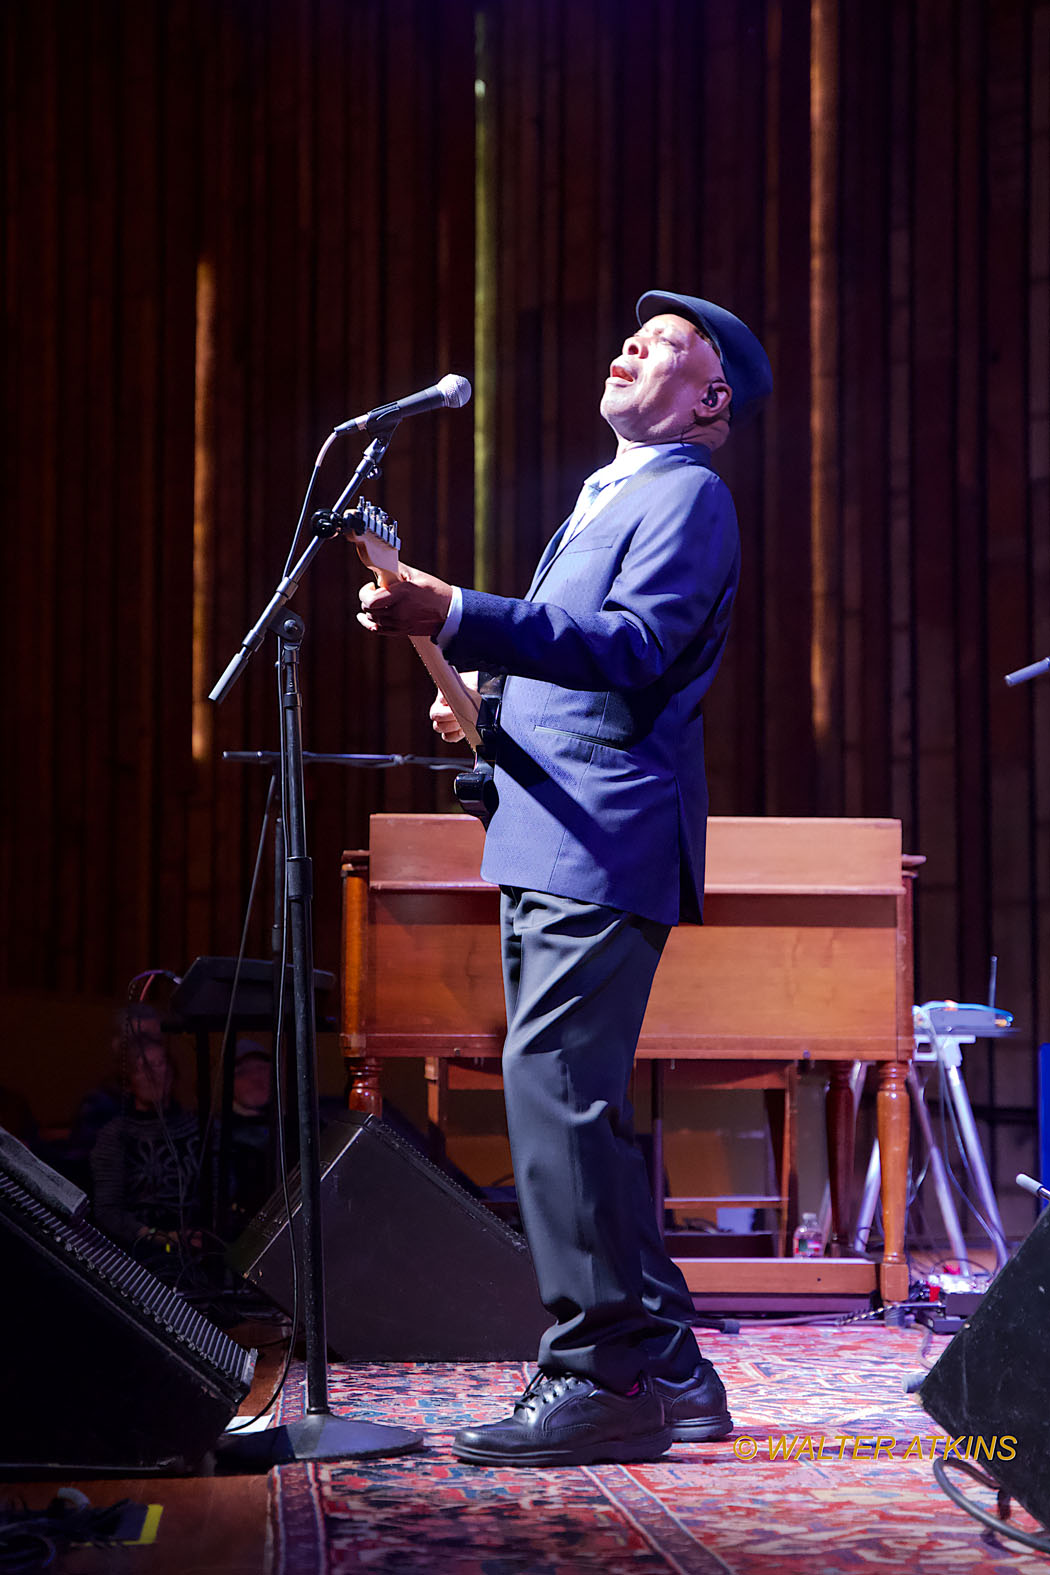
109	1096
145	1164
248	1183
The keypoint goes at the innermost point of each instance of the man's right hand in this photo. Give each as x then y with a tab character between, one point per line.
441	712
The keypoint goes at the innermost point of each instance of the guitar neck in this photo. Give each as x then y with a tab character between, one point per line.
461	702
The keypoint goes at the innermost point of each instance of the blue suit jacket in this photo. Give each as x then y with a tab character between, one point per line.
600	762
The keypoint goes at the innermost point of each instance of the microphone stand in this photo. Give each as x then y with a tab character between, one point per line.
320	1435
325	526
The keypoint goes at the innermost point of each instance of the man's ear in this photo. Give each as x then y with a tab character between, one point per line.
715	399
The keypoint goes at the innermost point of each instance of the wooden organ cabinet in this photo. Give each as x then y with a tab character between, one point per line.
805	956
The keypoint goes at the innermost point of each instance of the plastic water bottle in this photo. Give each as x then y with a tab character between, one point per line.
808	1241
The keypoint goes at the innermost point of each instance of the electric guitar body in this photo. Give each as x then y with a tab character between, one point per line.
377	542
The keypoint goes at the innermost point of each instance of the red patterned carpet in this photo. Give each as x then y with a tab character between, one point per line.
830	1507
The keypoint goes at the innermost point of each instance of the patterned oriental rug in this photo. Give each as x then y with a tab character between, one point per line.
828	1469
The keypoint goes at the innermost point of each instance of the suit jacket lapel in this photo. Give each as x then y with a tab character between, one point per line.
548	554
641	478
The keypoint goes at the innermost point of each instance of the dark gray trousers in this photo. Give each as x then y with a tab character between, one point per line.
577	977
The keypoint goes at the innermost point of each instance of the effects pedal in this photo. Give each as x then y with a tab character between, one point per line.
950	1299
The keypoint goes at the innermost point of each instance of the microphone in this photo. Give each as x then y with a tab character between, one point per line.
1033	670
452	391
1030	1184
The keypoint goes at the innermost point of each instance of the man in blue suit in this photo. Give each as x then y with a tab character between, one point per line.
598	848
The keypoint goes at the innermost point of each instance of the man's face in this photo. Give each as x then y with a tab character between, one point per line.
656	383
150	1075
251	1085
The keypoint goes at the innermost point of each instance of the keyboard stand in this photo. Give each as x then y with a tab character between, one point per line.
938	1039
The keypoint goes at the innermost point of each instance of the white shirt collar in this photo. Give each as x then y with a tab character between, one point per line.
627	462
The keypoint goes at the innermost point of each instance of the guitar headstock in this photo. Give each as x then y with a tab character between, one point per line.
375	537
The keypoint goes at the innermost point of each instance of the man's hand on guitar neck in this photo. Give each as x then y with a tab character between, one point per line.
441	714
417	603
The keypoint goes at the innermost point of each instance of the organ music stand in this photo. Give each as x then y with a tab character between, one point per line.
201	1006
201	1001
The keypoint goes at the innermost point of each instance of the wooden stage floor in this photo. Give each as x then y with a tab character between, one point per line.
209	1525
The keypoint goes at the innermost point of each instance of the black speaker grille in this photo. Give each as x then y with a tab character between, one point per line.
121	1278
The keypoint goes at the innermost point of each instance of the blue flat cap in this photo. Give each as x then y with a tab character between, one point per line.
746	363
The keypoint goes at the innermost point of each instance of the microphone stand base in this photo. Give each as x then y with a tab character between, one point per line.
319	1437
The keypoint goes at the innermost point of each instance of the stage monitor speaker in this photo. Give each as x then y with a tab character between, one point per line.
992	1383
415	1268
105	1367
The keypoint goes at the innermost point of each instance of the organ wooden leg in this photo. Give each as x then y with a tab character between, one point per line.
362	1070
435	1070
775	1101
893	1116
363	1091
782	1117
838	1115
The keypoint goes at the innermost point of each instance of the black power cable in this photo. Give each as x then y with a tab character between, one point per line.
995	1522
32	1540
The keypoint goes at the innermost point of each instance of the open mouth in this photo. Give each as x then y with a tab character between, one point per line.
620	374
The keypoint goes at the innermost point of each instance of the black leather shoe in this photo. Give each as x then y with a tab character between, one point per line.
565	1421
696	1409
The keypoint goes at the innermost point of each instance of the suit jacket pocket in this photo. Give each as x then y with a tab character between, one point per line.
584	738
592	715
585	542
